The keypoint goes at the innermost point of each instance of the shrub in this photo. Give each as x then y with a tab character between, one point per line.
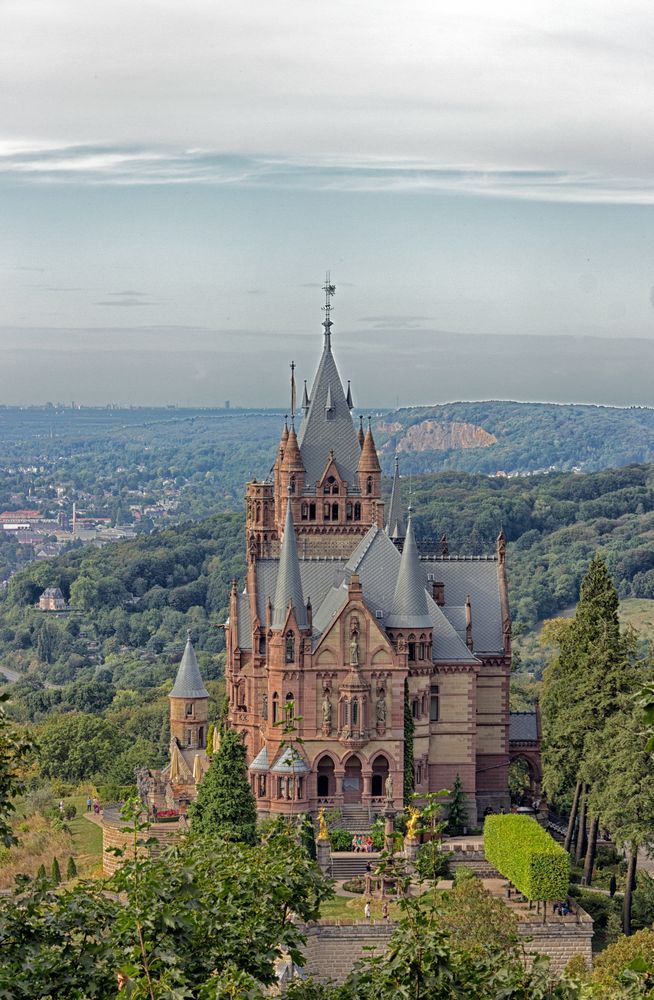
340	839
597	906
609	964
462	874
71	868
528	856
70	811
357	884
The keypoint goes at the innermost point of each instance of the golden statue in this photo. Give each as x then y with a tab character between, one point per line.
323	832
412	823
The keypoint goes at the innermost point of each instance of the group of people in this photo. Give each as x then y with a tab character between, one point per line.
93	805
367	911
361	844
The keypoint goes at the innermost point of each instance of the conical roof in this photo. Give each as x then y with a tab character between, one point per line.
319	432
289	585
395	522
188	683
410	608
368	461
292	456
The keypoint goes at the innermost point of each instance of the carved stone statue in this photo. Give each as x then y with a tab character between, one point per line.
389	788
323	832
264	707
354	650
326	710
380	710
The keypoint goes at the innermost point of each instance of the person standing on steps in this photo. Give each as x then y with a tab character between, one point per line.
366	910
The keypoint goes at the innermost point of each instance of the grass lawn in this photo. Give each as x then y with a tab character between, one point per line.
87	837
350	908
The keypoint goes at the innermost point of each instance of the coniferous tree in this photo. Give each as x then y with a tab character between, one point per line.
225	804
71	869
40	872
210	740
409	729
458	813
55	873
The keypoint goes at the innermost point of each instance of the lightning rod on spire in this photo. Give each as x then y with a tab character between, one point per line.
330	290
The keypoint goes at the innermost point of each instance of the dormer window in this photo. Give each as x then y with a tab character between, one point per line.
331	486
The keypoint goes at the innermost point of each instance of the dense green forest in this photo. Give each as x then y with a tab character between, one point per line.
530	437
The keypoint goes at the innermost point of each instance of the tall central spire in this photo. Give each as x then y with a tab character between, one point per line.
330	291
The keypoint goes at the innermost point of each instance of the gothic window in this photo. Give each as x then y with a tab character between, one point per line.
262	785
280	788
421	650
258	511
304	513
331	487
348	511
300	789
415	708
418	774
290	648
357	512
355	713
275	708
433	703
327	510
312	511
334	512
345	714
290	705
412	651
189	708
262	645
291	484
369	485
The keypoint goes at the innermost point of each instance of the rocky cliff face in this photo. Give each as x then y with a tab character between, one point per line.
431	435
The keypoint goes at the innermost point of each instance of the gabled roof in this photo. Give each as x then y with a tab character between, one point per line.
409	608
318	434
288	588
188	683
395	521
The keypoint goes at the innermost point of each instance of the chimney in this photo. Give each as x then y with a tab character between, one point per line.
438	593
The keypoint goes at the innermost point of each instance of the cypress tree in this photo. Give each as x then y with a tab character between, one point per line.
71	869
40	873
225	804
210	740
55	874
409	729
457	817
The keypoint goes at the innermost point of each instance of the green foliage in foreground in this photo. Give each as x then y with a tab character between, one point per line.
14	753
528	856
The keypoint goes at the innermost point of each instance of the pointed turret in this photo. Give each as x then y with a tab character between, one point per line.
395	523
348	398
188	683
361	436
305	399
368	460
410	608
292	457
289	584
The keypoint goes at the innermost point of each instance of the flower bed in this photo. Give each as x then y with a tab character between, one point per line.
167	816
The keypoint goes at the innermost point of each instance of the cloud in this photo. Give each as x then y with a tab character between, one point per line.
392	322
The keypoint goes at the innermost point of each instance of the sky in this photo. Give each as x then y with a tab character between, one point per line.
175	179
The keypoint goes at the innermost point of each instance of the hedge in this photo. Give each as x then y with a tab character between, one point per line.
527	856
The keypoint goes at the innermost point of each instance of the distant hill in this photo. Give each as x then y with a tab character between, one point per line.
512	438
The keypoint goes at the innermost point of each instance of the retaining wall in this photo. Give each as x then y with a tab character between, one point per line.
165	833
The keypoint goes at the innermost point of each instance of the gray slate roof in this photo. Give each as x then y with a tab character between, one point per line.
479	579
288	588
188	683
523	727
260	762
319	434
395	521
288	763
409	608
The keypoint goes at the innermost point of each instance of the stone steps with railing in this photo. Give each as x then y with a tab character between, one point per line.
346	865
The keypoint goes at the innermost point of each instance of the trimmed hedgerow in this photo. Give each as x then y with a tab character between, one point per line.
527	856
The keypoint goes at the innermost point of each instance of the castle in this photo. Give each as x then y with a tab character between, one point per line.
344	627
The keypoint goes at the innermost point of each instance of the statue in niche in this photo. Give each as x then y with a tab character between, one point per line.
354	644
380	710
264	707
389	788
326	710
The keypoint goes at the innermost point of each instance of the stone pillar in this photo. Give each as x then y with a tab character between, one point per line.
389	816
411	845
323	855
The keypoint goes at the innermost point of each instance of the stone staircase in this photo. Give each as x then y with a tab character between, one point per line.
349	865
356	819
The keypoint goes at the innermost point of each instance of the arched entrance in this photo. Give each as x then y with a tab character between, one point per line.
352	781
326	779
379	776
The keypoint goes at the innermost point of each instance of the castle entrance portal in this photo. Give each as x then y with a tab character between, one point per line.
352	781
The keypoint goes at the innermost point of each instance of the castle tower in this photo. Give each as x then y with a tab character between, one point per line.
189	703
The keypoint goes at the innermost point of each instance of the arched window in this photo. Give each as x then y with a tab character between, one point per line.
415	708
327	511
357	511
291	484
312	511
290	705
348	511
334	512
355	713
369	485
304	512
275	708
290	647
345	713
